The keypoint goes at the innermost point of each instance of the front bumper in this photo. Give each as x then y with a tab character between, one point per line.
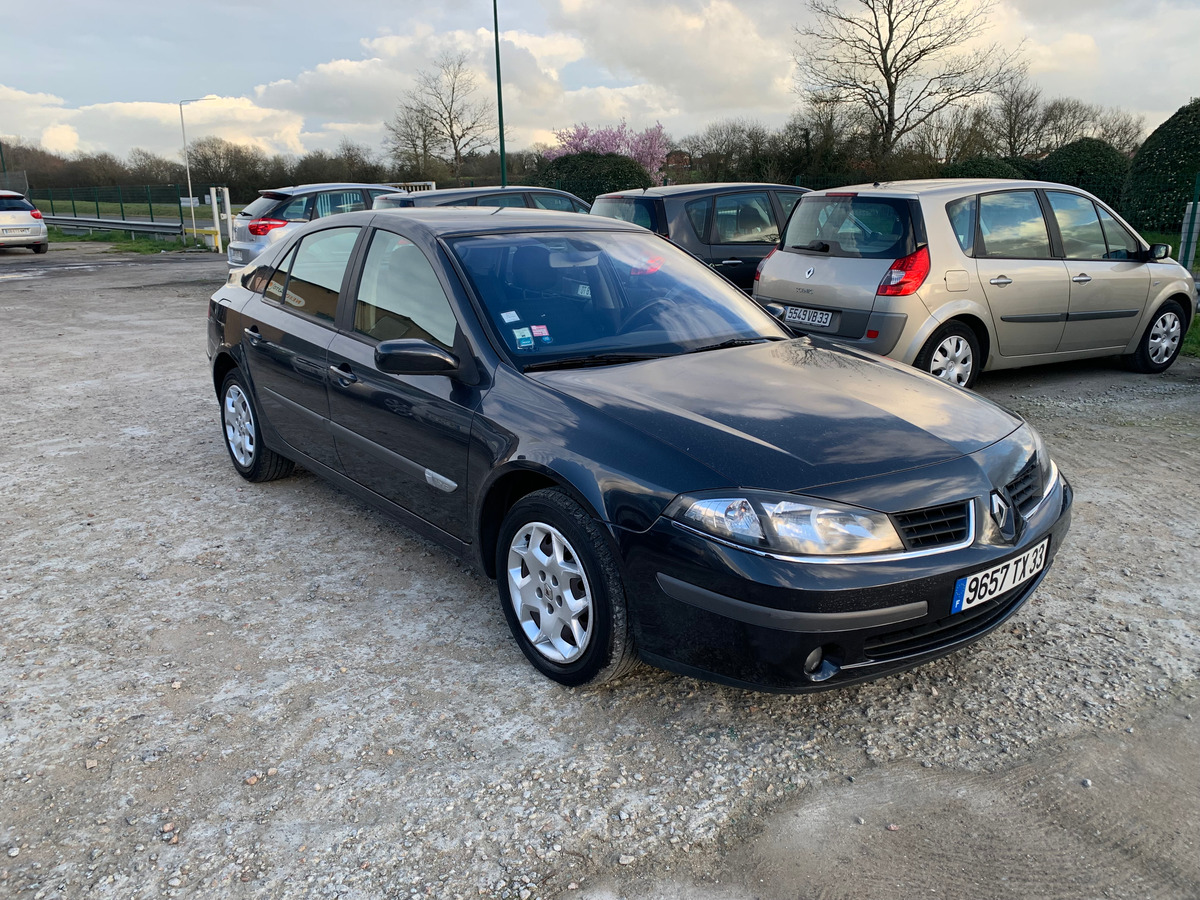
729	615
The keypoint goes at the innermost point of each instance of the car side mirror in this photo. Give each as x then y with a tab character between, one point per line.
410	356
1159	251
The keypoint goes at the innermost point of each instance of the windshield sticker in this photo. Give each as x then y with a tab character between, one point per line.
524	338
510	317
540	331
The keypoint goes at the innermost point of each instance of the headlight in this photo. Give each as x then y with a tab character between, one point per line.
787	523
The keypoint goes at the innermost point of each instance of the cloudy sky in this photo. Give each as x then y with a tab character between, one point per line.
80	75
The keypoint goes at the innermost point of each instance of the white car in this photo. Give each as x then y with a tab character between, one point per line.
21	225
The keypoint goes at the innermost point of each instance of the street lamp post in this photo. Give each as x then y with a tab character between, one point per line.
187	166
499	94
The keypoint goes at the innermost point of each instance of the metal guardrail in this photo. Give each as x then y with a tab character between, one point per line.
132	225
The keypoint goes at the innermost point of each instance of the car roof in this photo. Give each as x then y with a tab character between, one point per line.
678	190
939	187
439	221
325	186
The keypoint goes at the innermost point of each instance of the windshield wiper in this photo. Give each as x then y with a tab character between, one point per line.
595	359
814	246
735	342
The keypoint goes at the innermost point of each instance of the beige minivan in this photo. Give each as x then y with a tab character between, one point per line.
958	276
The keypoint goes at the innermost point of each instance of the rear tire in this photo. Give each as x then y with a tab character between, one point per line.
1161	342
253	459
562	592
951	354
40	248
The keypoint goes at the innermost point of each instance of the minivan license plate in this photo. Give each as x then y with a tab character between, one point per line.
802	315
975	589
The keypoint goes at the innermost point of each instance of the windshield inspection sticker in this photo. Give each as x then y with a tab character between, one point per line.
541	331
524	338
510	317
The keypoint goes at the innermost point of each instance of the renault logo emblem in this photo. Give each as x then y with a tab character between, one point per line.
809	273
1003	516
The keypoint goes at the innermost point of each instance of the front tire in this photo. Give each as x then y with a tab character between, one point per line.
1161	342
253	459
562	592
952	355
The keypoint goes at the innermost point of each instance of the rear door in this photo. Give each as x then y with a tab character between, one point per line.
1027	289
405	437
1109	281
743	231
287	335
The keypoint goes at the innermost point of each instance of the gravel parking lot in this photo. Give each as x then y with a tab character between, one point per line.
218	689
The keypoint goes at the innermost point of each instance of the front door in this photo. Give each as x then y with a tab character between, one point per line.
405	437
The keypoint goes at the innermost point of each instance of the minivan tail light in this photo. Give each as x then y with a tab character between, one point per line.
762	262
259	227
35	213
906	275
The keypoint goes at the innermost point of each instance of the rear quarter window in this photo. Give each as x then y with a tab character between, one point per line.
962	220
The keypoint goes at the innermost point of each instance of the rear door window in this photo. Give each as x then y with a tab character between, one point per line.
553	201
1011	226
315	273
787	200
332	203
847	225
638	210
745	219
510	199
699	213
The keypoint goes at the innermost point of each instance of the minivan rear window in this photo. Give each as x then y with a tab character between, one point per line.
851	226
638	210
263	205
14	204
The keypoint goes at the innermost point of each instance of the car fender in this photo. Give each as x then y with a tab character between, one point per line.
1175	286
908	350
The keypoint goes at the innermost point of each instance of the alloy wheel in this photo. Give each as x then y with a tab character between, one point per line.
550	592
239	426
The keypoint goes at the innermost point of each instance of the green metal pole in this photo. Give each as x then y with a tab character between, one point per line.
3	164
52	201
121	201
499	94
179	200
96	197
74	211
1191	234
150	202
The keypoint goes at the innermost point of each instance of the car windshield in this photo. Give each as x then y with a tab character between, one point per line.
590	298
851	226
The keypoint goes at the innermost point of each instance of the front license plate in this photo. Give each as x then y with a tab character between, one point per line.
982	586
802	315
16	231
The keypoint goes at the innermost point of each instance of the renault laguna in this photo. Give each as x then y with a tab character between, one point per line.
648	464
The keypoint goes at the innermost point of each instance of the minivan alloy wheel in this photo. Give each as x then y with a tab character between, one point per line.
550	593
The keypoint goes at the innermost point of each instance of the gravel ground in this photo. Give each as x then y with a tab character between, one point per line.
218	689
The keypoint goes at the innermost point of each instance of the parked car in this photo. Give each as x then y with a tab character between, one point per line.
513	195
21	224
634	449
280	211
729	226
959	276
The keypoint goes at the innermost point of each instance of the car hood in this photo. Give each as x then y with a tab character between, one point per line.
791	415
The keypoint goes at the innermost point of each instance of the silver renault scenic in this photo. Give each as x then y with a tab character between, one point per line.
959	276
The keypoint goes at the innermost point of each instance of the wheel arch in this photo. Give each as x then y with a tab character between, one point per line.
223	364
503	492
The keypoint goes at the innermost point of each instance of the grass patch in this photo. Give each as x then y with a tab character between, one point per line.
1191	340
120	241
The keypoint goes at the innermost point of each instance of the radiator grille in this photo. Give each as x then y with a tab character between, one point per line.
936	526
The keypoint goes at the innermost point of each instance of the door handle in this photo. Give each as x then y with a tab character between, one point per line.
252	335
1001	280
1082	278
343	375
730	262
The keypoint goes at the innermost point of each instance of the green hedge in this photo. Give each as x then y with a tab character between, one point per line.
981	167
1162	176
1091	164
587	175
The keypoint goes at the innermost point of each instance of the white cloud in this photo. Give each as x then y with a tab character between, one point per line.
60	139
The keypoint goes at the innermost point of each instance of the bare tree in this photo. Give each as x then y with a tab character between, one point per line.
901	61
1066	120
1122	129
444	110
413	141
1018	118
955	134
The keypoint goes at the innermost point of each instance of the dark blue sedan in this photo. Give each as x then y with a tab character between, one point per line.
645	461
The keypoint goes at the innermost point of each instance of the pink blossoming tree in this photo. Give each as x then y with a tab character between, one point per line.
649	147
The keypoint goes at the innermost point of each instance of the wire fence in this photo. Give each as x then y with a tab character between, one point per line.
144	202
